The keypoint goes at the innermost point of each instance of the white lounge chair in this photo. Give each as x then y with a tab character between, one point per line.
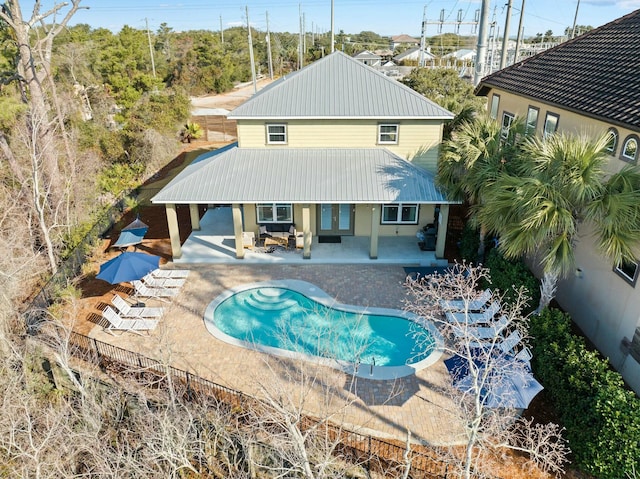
127	311
118	323
170	273
144	291
483	332
485	316
154	282
504	346
524	355
462	305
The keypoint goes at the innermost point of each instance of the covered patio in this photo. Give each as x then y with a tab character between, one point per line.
214	243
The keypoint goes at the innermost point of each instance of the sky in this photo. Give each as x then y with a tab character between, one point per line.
385	17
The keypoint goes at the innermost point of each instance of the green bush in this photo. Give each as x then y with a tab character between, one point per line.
120	177
601	416
469	243
508	276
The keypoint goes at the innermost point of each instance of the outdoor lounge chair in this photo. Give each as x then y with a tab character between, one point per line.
144	291
505	346
461	305
485	316
127	311
524	355
154	282
118	323
170	273
483	332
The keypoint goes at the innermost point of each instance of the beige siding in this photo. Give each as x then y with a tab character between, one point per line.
363	222
417	140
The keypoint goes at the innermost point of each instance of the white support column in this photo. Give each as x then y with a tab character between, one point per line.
237	230
306	231
195	217
443	221
375	226
174	231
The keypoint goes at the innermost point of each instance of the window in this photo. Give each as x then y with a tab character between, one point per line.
507	120
274	213
532	121
388	134
628	271
277	134
495	103
400	213
629	150
550	124
612	141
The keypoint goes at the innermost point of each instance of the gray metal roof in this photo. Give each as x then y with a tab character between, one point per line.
338	86
300	175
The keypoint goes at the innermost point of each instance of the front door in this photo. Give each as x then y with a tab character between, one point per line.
335	219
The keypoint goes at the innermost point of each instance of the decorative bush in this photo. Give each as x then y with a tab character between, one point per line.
601	416
508	276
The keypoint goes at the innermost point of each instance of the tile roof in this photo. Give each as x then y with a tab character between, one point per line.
300	175
596	74
338	87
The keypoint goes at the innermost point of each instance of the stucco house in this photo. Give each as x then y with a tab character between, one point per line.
334	149
587	85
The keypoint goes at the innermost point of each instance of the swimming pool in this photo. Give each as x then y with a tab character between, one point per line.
294	318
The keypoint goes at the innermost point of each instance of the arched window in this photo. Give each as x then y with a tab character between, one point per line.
612	140
629	150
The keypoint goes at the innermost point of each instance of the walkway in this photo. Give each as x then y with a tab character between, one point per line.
214	243
382	408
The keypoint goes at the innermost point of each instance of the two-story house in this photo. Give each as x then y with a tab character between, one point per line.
336	148
590	84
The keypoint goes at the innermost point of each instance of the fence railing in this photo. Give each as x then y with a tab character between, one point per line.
376	454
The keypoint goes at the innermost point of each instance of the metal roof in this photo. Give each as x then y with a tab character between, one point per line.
595	74
338	87
300	175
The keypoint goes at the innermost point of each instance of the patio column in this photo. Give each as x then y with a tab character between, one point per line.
237	230
375	226
443	221
195	216
174	231
306	231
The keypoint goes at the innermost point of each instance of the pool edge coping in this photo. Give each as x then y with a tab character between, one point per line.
313	292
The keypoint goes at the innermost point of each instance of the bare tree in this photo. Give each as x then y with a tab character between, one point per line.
484	398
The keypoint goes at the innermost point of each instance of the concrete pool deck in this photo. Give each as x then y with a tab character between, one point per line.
381	408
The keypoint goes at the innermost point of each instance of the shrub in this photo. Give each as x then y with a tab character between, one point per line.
601	416
508	276
469	243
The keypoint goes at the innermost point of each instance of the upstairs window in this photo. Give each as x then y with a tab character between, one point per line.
388	134
612	141
550	124
507	120
274	213
495	104
277	134
532	121
399	213
629	150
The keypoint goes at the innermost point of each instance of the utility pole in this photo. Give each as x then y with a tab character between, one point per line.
253	64
300	50
153	62
423	39
269	49
481	51
520	33
575	19
505	38
332	32
221	31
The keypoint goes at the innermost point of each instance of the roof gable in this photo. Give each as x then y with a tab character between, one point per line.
338	87
595	74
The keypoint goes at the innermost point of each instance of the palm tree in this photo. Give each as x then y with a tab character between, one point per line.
559	182
478	153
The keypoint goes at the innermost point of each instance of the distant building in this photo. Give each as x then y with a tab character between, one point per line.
413	55
462	55
403	40
368	58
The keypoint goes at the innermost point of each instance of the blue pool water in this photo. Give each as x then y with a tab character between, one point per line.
288	320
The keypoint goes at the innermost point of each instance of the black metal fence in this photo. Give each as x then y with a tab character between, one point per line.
376	454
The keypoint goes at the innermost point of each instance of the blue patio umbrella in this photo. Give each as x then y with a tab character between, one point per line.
458	367
137	225
128	267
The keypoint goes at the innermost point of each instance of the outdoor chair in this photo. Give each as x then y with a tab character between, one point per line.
461	305
485	316
144	291
524	355
127	311
154	282
118	323
170	273
483	332
505	346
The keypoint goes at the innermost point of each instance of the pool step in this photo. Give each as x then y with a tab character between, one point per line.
271	295
270	301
